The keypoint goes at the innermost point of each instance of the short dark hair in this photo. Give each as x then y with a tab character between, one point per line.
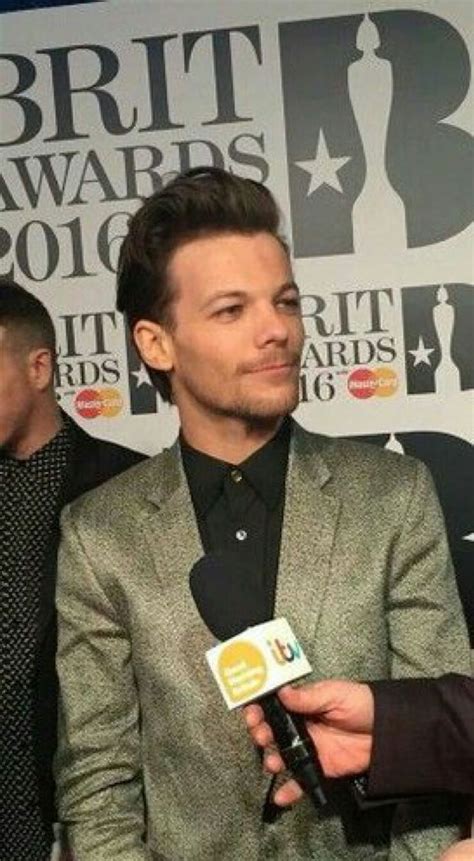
197	203
27	316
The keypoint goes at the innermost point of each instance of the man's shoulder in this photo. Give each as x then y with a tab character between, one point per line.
107	451
127	489
94	461
115	452
358	462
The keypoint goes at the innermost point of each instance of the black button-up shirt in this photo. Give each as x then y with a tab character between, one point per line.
239	507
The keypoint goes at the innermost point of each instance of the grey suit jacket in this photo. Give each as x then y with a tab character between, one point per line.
151	765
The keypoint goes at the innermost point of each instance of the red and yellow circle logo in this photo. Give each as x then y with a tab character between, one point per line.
364	383
91	403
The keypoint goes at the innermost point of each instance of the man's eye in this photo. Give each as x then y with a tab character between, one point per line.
290	303
229	311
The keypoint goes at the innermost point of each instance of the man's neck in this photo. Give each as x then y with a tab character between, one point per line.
41	429
232	440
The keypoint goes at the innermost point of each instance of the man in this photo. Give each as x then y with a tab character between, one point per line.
346	540
45	461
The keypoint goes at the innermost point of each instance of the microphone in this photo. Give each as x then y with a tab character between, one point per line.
230	601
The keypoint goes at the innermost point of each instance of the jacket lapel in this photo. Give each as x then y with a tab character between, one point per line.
309	528
171	531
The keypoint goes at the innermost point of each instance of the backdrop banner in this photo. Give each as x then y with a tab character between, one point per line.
358	116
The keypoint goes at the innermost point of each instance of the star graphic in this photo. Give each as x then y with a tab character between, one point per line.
323	168
469	537
422	353
142	378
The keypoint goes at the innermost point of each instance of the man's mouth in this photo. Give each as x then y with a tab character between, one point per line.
275	373
274	366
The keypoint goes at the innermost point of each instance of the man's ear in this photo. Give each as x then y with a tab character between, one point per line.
154	344
41	368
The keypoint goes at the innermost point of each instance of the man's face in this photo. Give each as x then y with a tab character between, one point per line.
237	332
16	391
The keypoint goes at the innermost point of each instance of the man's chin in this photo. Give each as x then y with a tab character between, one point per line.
266	410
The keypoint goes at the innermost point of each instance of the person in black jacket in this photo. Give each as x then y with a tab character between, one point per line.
46	461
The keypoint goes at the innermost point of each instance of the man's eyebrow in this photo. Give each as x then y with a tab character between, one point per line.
288	285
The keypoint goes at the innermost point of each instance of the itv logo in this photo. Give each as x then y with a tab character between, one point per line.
284	653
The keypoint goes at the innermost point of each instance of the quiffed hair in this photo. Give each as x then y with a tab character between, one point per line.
199	202
25	316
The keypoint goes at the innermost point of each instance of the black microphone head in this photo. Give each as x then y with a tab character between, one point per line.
227	594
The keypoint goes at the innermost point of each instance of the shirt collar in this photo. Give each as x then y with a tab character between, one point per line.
265	470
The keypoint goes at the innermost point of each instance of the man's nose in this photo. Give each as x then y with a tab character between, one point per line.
270	326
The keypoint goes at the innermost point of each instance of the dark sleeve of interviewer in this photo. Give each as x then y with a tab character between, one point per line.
423	736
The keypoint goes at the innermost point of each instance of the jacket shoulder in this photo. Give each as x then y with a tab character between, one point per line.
125	490
114	454
358	466
94	461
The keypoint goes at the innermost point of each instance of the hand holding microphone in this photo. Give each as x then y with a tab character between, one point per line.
255	657
339	717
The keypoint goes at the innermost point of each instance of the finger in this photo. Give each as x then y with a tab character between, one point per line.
307	699
253	715
273	762
262	735
287	794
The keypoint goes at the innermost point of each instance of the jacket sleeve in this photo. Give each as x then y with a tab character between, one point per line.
427	636
423	736
98	765
426	628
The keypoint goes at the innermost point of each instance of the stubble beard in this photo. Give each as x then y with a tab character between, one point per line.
255	411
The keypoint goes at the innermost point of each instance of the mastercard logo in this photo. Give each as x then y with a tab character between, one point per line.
242	670
91	403
366	383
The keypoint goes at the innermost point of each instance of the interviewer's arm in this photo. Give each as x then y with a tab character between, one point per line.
423	736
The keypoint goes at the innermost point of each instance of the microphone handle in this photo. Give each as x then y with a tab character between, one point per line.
295	746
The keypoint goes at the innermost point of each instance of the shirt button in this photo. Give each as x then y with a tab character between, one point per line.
236	475
241	535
